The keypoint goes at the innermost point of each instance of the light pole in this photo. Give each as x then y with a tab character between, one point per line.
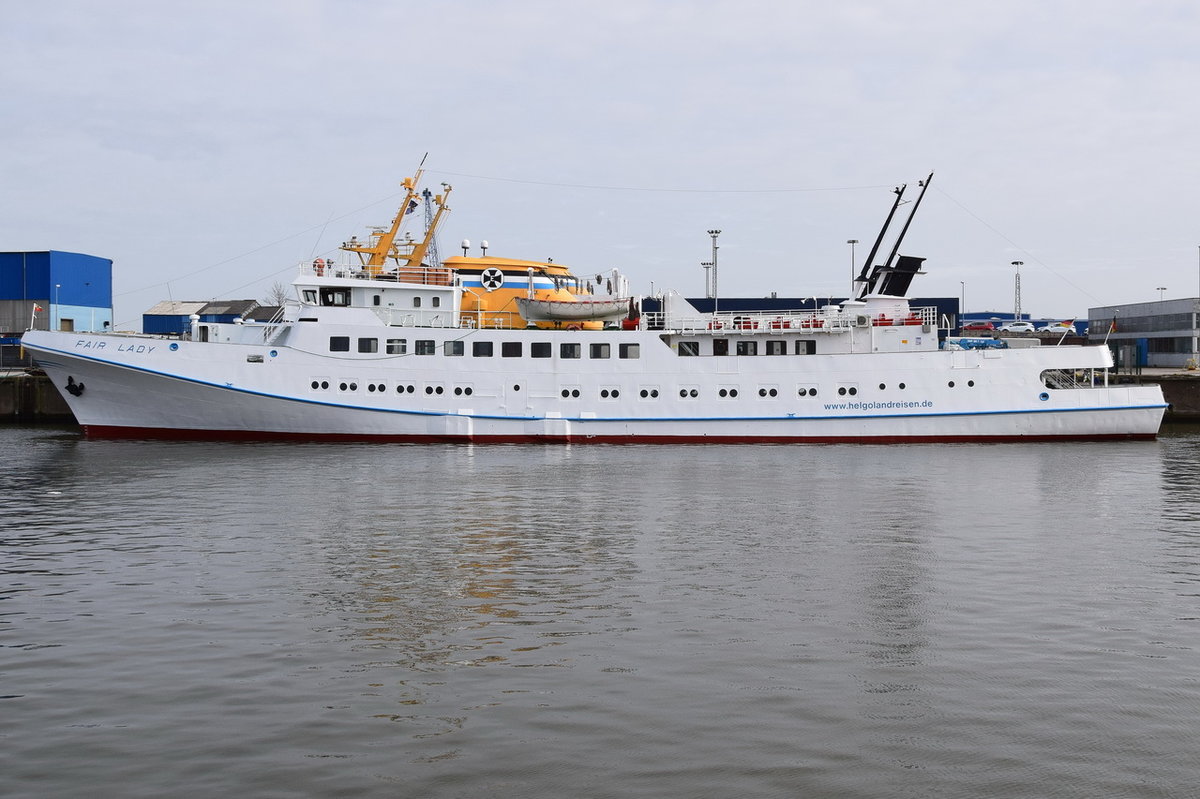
715	295
1160	290
962	303
707	276
853	271
57	313
1017	294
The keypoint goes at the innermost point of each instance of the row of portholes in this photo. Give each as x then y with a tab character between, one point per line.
323	385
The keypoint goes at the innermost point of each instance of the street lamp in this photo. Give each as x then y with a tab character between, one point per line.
853	272
714	234
1160	290
1017	294
707	276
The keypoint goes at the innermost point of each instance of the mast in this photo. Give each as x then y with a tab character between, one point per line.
862	278
924	184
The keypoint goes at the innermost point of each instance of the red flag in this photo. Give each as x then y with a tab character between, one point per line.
36	308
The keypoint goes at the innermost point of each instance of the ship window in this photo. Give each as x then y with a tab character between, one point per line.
510	349
426	347
569	350
397	346
375	299
689	348
453	348
416	302
747	348
540	349
310	296
720	346
776	348
436	302
630	351
600	351
368	345
339	343
335	297
806	347
481	349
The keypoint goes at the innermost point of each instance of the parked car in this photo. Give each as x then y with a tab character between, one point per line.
1058	329
1018	327
977	327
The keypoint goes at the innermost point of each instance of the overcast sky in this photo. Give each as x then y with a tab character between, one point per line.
209	147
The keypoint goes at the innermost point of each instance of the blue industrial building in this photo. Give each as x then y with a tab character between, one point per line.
54	290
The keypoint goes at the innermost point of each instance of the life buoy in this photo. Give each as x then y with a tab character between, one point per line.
319	266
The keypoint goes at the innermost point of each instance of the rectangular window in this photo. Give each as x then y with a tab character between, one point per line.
481	349
416	302
310	296
689	348
806	347
599	351
776	348
510	349
453	348
397	346
747	348
540	349
630	351
569	351
339	343
368	345
720	346
426	347
437	302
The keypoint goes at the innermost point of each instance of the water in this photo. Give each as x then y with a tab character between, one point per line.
183	619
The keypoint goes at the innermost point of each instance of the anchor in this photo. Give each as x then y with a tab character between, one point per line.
74	388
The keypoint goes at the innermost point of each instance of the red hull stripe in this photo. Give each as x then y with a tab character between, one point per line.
108	431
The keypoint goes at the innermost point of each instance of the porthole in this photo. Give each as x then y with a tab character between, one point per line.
371	387
853	391
722	393
354	386
565	393
951	384
773	392
615	393
803	392
882	386
174	347
574	392
324	384
438	390
516	388
399	389
604	393
654	393
428	389
901	387
970	384
467	391
762	392
644	393
412	389
733	392
458	391
695	392
683	392
1043	396
315	385
841	391
341	386
812	392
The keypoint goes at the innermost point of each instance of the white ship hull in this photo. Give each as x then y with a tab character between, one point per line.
139	386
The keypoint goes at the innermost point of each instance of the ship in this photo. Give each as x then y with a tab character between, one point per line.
385	341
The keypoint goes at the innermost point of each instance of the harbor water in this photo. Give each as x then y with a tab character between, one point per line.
282	620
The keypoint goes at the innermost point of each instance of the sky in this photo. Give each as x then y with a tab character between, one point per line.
208	148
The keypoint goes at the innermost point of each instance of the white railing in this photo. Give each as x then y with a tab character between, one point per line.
780	322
